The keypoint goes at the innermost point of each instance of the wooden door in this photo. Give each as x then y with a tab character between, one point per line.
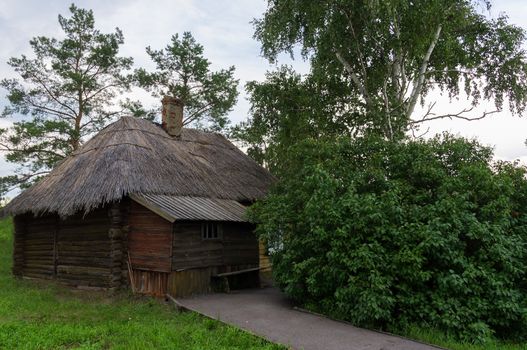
150	250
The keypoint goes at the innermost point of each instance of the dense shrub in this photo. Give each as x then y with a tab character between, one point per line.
388	235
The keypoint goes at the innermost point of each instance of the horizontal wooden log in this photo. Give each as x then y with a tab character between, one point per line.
140	261
29	253
39	248
62	247
39	260
87	234
98	219
84	253
36	274
79	281
82	270
36	230
36	241
93	262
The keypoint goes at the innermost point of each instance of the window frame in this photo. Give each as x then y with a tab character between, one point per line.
211	231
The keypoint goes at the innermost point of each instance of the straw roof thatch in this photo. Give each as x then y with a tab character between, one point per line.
137	156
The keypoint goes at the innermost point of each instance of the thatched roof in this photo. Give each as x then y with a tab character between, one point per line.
137	156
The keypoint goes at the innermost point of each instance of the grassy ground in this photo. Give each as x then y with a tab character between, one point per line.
44	316
438	338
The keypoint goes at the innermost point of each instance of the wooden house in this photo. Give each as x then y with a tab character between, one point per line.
158	207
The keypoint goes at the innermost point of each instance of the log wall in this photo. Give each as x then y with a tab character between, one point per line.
237	248
196	260
92	250
38	245
189	250
82	251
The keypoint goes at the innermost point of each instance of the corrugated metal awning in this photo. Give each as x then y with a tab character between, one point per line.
175	208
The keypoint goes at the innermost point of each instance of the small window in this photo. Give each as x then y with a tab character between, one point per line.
210	230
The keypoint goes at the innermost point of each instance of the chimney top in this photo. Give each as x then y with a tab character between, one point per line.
172	115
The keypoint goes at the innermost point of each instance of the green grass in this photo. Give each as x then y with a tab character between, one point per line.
46	316
438	338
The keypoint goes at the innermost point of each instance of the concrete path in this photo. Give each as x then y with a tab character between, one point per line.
266	312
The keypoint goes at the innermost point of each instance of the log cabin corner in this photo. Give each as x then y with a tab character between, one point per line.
156	208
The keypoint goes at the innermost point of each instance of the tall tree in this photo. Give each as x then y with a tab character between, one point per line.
64	93
287	108
183	72
391	54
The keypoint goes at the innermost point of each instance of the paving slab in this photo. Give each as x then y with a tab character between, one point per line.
269	314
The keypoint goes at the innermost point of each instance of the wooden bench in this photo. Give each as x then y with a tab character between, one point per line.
221	280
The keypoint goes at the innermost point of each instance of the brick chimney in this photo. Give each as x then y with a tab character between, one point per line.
172	115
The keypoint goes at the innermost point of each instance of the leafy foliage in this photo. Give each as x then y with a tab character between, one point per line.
284	109
390	234
67	90
183	72
388	55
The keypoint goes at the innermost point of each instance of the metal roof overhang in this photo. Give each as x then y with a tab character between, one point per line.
174	208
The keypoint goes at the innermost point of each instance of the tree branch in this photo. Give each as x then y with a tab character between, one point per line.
418	87
432	116
387	108
50	94
359	52
354	77
5	148
196	114
24	178
99	91
55	112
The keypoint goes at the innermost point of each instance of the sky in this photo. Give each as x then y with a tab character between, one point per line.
224	28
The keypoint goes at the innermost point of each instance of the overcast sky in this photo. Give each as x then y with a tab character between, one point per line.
224	29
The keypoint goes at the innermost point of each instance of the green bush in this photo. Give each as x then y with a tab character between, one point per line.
388	235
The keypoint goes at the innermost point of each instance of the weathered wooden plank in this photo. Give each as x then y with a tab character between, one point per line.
149	240
154	249
189	282
151	236
150	282
150	263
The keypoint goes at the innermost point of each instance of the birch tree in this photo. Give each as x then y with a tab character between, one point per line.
391	54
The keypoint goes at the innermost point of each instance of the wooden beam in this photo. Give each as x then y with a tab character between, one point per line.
151	206
236	272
